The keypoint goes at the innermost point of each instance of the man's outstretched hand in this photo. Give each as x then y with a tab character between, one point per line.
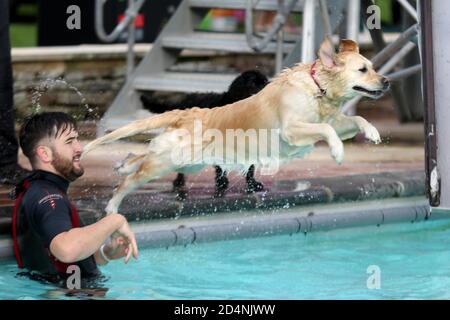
123	243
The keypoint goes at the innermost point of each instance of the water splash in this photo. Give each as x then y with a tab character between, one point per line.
48	84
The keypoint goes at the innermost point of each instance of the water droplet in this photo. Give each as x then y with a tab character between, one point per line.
48	84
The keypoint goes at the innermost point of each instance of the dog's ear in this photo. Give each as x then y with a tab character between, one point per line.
348	45
327	53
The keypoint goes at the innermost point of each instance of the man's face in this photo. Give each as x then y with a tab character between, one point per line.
66	151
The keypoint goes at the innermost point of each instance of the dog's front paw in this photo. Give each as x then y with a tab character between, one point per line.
337	151
371	133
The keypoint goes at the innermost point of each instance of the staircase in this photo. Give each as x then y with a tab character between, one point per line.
154	74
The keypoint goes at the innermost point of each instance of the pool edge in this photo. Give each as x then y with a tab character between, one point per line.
326	217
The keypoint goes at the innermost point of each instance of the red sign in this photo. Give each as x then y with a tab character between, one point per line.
138	22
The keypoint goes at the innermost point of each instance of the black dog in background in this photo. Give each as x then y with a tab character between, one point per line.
245	85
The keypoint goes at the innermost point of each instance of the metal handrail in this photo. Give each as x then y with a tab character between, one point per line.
394	76
128	22
409	8
279	21
392	48
130	15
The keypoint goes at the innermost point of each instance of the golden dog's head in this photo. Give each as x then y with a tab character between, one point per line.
348	74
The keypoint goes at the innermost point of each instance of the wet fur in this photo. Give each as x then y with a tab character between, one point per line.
291	103
245	85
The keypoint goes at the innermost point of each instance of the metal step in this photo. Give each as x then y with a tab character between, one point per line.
267	5
229	42
179	33
184	82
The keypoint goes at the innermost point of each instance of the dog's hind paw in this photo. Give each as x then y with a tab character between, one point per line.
181	194
219	193
221	186
111	208
254	186
118	168
121	163
123	167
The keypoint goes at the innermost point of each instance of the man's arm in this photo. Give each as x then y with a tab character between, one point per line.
79	243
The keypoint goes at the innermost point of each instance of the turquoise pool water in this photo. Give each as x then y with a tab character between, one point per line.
413	260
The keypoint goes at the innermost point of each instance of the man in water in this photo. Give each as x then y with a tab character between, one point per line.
48	235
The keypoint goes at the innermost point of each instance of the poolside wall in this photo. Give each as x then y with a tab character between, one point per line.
98	72
298	221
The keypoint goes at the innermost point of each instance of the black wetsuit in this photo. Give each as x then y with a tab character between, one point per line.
43	212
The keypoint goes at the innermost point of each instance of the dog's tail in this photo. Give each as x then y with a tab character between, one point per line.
155	122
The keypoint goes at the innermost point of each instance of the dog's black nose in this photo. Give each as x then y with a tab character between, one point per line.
385	82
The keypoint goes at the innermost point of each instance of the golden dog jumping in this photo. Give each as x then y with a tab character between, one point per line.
302	103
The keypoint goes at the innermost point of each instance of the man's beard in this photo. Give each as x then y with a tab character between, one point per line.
65	167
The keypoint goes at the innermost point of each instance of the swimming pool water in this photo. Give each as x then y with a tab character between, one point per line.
413	260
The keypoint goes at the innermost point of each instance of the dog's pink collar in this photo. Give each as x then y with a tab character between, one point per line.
313	76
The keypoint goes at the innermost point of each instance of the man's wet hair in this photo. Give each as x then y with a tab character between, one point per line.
43	125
